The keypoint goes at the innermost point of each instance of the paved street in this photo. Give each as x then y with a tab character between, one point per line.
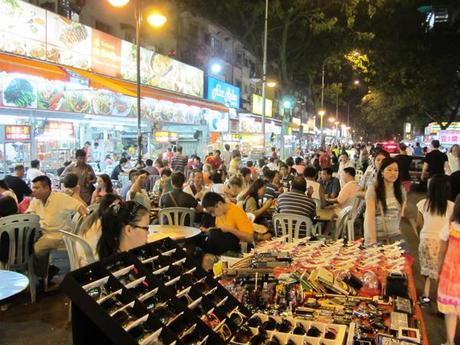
46	322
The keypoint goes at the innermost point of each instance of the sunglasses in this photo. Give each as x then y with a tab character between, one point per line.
98	292
237	317
224	332
210	319
243	335
146	228
314	332
124	317
112	304
141	331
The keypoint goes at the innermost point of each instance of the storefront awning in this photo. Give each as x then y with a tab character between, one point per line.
16	64
129	89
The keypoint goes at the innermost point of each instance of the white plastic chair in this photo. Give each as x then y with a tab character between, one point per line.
176	216
342	221
290	224
21	230
357	206
71	240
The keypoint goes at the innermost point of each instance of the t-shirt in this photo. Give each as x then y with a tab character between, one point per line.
55	213
179	163
392	215
324	160
236	218
32	173
332	186
348	193
182	199
19	187
433	223
436	160
271	191
299	168
297	203
214	162
404	166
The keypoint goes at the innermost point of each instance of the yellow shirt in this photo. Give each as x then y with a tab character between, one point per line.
235	218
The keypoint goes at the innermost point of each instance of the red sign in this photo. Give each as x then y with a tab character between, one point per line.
17	132
106	54
59	129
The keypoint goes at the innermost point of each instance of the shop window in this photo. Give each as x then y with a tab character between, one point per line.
216	45
239	58
103	27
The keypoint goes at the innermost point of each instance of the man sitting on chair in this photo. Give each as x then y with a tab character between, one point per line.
54	209
349	191
296	201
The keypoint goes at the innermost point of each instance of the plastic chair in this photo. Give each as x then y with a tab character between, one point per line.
70	241
290	225
341	222
21	230
357	209
176	216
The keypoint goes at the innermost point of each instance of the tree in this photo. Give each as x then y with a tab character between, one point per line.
303	35
415	67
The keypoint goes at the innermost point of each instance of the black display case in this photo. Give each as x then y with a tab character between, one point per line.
154	294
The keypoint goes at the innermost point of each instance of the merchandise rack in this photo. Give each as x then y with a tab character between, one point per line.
154	292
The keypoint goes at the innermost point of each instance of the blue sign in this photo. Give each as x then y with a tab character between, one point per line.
221	92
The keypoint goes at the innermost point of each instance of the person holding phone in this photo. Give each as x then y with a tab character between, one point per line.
137	191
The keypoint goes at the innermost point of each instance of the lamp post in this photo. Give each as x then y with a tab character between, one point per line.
264	74
155	20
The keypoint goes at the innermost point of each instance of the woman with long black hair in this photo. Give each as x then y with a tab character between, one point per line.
385	203
251	199
433	214
125	225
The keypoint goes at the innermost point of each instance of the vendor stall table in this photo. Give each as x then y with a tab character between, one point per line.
176	232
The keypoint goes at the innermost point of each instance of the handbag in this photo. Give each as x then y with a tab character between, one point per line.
218	242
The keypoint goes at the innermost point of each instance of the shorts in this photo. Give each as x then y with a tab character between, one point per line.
428	255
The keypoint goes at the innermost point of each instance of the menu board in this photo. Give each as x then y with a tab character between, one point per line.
161	71
32	31
68	42
17	133
38	93
22	29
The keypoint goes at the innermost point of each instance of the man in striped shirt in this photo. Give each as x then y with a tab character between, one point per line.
295	201
179	162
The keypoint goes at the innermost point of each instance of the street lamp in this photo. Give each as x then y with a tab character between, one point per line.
321	114
356	82
156	20
216	68
264	74
271	84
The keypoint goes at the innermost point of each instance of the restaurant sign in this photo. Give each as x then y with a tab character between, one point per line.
224	93
31	31
449	137
257	106
17	133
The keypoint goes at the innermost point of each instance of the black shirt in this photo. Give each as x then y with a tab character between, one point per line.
116	172
436	160
19	187
181	199
404	166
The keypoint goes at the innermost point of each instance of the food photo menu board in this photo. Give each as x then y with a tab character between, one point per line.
30	31
20	91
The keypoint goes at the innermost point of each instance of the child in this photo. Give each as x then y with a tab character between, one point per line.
433	214
449	279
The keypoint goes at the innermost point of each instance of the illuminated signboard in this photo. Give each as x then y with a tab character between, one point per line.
17	133
165	137
449	136
217	121
257	105
31	31
224	93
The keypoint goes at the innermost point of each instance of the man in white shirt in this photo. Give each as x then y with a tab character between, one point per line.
137	192
34	170
349	191
54	209
345	162
227	155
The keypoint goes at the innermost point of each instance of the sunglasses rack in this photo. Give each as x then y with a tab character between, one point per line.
274	330
154	294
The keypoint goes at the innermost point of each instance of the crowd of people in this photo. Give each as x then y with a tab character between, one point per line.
234	200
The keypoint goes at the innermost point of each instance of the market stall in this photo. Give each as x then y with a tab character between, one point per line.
370	291
314	292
